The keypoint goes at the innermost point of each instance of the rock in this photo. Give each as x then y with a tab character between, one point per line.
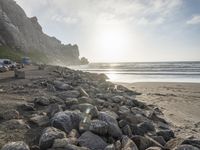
193	142
154	148
92	141
186	147
67	120
159	139
51	88
98	127
60	143
40	120
118	145
56	100
173	143
69	147
43	101
84	99
102	77
127	130
117	99
16	146
146	126
112	114
122	123
134	119
71	101
113	128
28	107
128	144
19	74
85	107
59	85
53	109
166	134
145	142
69	94
83	92
48	136
123	110
73	134
15	124
110	147
10	114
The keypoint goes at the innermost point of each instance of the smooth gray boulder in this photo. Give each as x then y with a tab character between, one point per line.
66	120
92	141
113	128
59	85
43	101
48	136
166	134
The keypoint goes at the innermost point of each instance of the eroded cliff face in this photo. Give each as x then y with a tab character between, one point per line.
19	32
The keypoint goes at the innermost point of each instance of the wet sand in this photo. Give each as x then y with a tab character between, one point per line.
180	103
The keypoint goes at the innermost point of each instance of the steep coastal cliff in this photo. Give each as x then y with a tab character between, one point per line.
23	34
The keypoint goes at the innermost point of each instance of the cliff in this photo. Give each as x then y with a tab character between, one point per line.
21	33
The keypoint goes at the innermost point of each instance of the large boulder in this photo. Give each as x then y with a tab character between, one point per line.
166	134
48	136
92	141
16	146
113	128
99	127
193	142
67	120
59	85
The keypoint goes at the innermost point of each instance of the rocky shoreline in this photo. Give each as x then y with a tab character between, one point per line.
65	109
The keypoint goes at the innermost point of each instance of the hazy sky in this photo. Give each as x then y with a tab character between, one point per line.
123	30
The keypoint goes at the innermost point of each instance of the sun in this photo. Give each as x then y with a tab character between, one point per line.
112	42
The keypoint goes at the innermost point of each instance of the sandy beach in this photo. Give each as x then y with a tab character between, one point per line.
180	103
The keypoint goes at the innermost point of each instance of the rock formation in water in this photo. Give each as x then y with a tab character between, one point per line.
21	33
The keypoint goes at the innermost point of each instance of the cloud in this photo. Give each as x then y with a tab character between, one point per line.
194	20
102	11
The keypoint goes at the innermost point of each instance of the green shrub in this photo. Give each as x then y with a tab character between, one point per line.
17	55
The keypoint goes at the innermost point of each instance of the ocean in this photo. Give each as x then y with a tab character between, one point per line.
146	71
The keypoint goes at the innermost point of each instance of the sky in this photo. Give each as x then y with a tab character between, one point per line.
123	30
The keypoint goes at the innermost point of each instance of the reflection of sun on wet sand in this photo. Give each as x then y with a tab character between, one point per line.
180	103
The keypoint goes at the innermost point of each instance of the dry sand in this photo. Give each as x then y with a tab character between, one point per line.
180	103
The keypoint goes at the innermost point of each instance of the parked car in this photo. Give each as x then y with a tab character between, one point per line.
7	64
26	61
3	68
